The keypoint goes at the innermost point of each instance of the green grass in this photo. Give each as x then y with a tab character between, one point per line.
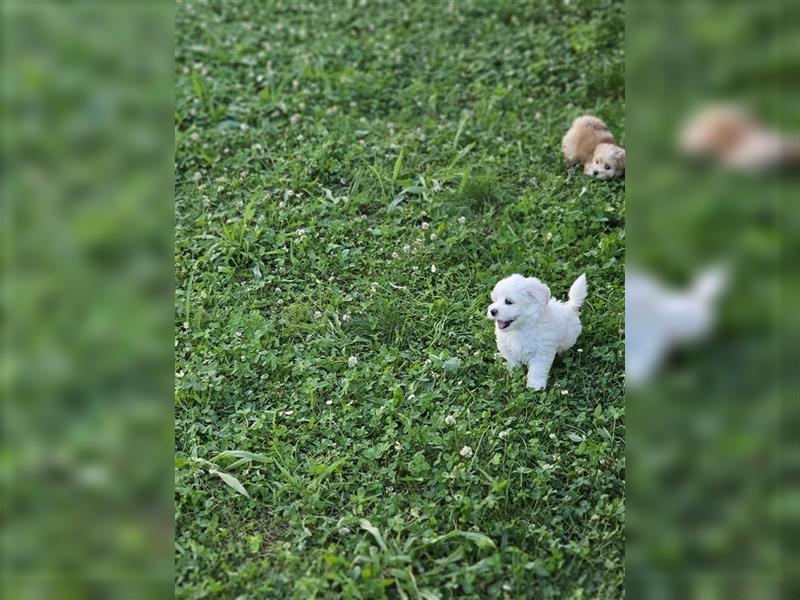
351	182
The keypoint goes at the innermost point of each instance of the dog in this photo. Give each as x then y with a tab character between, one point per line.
531	327
659	319
736	139
589	143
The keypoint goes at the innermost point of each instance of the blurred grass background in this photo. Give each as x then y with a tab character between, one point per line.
712	450
87	304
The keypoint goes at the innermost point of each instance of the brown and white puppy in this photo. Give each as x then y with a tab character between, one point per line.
733	137
589	143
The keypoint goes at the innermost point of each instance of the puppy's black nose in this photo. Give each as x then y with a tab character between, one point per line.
594	172
493	312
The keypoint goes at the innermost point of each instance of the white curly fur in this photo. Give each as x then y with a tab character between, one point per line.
531	327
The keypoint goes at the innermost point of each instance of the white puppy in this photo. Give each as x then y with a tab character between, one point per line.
531	327
659	319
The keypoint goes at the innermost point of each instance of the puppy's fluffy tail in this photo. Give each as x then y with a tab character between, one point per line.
710	284
577	293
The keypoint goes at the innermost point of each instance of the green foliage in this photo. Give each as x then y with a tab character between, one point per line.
375	169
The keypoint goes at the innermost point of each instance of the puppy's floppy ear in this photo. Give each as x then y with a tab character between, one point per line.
536	290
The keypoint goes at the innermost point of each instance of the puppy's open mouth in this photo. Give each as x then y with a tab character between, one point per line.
503	324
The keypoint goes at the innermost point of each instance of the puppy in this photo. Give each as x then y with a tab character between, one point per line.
589	143
659	319
531	327
731	136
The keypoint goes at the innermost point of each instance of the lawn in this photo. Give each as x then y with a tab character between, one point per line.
351	180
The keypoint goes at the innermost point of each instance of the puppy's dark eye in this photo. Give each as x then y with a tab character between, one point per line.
509	301
608	167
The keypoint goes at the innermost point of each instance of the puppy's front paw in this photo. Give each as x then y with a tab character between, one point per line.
535	383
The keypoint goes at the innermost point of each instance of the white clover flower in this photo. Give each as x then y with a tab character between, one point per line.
462	220
433	268
552	436
278	290
549	235
352	361
466	452
450	420
300	231
281	204
346	317
503	434
434	236
395	255
317	314
344	531
564	392
398	446
328	402
437	187
580	349
406	248
425	225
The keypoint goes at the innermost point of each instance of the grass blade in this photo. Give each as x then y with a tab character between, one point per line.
231	481
240	454
461	125
398	164
461	154
374	531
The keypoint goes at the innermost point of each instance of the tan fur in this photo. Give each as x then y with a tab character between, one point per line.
735	138
589	143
